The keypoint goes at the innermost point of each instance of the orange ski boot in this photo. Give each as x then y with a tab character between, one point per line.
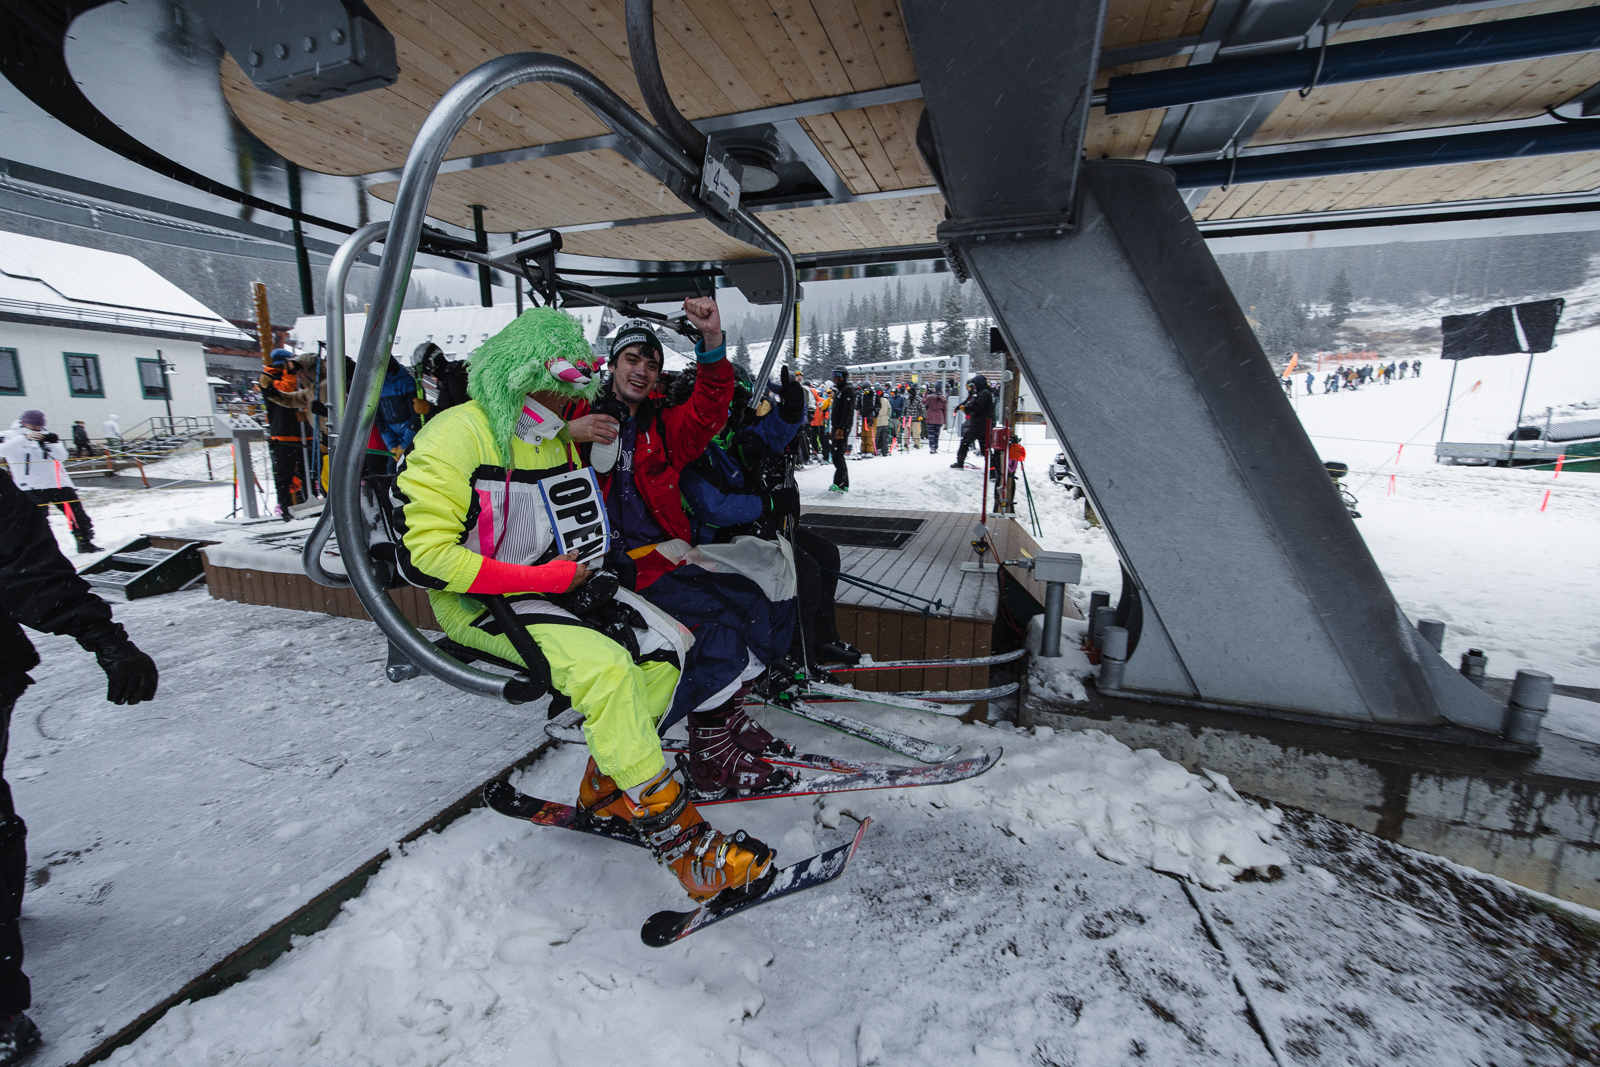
601	803
715	869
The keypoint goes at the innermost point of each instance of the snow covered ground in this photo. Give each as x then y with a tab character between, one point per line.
1023	917
1008	920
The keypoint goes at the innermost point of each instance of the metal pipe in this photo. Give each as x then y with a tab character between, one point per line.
302	259
1054	601
1432	631
1530	700
333	296
1113	658
1504	41
1391	155
643	144
641	17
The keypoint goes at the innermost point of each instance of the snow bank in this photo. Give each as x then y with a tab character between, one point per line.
1129	807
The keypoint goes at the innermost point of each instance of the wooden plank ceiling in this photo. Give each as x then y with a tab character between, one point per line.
727	56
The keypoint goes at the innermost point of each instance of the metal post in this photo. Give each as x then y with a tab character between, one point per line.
1512	458
485	297
1432	631
1113	658
166	387
302	259
516	282
1099	622
1449	398
1530	699
1475	665
1055	595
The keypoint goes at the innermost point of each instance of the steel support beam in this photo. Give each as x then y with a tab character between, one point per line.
1485	44
1397	154
1248	583
1253	586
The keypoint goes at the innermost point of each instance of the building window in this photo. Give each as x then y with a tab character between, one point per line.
150	379
83	374
10	373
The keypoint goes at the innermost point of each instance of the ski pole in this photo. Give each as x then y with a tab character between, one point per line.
888	591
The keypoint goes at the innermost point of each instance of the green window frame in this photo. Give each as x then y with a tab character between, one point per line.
83	374
11	373
151	384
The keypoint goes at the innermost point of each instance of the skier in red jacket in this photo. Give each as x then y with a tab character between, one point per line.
640	447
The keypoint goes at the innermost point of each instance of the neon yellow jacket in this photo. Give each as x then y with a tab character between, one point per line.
462	507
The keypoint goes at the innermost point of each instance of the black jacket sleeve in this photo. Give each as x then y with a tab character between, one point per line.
38	586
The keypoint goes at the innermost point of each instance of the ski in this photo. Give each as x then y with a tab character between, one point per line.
665	927
870	776
813	761
888	700
912	664
501	796
905	744
994	692
568	727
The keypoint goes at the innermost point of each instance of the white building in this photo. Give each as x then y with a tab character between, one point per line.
83	334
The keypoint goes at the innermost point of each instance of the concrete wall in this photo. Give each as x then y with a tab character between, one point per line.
1539	831
44	377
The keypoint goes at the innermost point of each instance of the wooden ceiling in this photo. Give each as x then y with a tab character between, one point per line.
727	56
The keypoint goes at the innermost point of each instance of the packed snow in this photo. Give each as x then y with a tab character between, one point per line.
1081	903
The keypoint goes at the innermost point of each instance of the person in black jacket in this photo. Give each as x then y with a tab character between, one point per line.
841	418
40	588
979	408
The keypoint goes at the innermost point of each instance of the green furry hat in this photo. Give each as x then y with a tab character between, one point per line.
540	351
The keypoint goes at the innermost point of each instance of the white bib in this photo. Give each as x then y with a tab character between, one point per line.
577	513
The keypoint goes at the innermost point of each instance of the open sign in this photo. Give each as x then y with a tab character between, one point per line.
577	513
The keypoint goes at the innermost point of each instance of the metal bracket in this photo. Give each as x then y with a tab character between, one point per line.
400	668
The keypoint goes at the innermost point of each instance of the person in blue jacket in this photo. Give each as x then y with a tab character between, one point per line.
739	486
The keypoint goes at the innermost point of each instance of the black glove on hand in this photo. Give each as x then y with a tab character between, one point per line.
319	409
786	501
791	398
130	674
50	438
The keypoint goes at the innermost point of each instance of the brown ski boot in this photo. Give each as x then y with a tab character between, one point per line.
728	752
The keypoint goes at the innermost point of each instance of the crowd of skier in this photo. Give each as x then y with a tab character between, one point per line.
1342	378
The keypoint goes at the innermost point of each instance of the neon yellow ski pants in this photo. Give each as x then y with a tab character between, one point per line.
621	701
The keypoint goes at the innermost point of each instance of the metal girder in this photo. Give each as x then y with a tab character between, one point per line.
1250	585
1508	40
1391	154
1006	146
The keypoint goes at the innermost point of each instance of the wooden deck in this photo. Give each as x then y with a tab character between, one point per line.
926	565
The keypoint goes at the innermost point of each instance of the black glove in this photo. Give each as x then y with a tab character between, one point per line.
786	501
50	438
791	398
130	674
319	409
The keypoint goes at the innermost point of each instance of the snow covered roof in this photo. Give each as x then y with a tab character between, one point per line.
457	330
55	282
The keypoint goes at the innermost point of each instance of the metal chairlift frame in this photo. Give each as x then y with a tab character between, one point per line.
644	145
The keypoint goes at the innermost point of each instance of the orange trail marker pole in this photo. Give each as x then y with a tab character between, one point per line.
1391	491
1560	460
1546	500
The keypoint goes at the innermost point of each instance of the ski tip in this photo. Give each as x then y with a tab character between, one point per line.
861	832
665	927
500	795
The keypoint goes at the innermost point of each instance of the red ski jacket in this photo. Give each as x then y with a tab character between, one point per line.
667	441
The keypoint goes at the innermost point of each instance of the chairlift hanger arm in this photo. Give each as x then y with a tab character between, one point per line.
640	142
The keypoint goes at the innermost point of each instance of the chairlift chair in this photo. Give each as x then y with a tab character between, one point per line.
694	169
